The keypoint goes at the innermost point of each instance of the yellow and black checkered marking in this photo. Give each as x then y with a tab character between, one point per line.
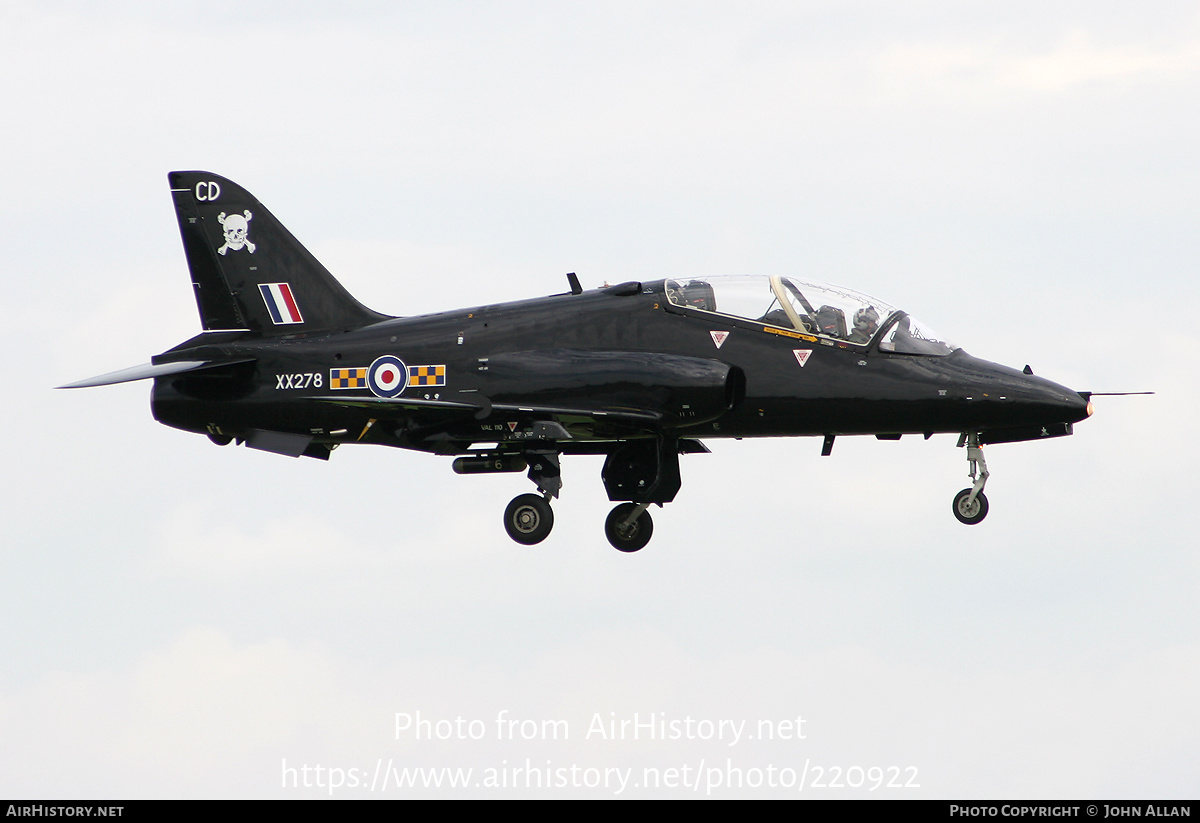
348	378
426	375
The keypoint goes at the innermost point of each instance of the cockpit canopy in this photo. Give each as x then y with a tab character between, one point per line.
809	308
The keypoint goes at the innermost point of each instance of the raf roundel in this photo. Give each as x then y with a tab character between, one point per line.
387	376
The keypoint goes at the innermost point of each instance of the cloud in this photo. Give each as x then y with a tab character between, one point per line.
989	71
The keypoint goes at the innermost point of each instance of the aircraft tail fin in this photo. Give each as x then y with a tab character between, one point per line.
248	271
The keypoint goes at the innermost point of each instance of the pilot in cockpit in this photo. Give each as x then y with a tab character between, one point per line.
866	321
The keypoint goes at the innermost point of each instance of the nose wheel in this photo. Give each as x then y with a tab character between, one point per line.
528	519
968	510
629	527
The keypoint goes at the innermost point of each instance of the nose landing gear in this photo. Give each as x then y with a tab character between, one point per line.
970	505
970	511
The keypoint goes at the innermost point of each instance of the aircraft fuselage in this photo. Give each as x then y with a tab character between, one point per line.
538	353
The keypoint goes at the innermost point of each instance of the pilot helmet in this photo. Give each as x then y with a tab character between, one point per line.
866	319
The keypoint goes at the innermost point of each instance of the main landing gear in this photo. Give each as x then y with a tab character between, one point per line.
970	505
638	473
629	527
528	519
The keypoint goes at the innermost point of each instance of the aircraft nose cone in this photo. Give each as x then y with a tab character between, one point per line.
1005	398
1059	403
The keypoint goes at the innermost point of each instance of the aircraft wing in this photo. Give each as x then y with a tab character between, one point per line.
480	408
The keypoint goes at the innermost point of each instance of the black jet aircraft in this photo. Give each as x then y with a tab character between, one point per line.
641	372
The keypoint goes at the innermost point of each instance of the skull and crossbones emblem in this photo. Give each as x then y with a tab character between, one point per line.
236	226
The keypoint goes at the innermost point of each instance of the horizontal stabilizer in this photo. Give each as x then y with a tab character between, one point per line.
143	372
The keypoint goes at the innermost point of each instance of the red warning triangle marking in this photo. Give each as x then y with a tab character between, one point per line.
512	427
719	337
802	356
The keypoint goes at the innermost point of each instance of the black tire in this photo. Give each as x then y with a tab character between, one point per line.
636	536
970	514
528	519
220	439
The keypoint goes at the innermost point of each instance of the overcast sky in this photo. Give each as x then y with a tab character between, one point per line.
187	621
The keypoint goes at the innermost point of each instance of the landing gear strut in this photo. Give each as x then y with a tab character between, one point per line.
970	505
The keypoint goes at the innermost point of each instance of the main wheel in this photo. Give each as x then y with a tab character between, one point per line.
972	513
528	519
634	536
